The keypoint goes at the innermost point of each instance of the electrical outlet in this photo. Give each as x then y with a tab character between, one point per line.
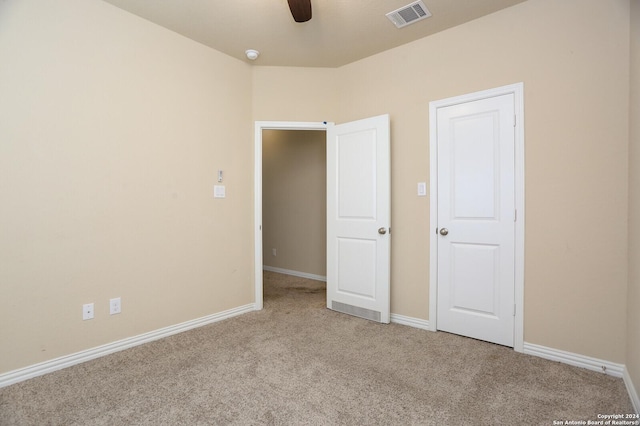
274	252
115	306
87	311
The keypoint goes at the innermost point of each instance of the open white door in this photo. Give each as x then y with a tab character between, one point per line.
359	218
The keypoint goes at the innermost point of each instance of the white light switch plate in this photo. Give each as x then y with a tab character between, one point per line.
219	191
422	189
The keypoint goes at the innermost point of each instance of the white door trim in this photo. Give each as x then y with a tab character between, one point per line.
257	190
518	91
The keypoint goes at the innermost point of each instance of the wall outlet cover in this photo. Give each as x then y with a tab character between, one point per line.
115	306
87	311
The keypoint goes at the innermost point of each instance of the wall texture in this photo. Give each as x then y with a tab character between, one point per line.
294	201
295	94
633	298
112	131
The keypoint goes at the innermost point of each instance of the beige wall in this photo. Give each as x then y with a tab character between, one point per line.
294	206
112	131
633	299
573	58
295	94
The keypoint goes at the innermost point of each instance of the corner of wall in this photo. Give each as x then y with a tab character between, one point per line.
632	378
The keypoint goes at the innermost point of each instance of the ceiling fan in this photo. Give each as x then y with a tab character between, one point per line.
300	9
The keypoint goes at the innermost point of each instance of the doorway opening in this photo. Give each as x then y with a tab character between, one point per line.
294	202
288	147
358	214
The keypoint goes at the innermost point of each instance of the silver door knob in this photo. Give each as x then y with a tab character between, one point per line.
382	231
444	231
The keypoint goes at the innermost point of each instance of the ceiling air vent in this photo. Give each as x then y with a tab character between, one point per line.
409	14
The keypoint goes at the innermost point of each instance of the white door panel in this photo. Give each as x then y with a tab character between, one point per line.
474	169
356	282
478	264
357	188
476	205
358	205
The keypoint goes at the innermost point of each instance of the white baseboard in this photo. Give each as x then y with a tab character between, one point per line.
631	389
50	366
16	376
594	364
577	360
295	273
410	321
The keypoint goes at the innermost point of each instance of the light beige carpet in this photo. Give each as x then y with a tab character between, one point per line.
297	363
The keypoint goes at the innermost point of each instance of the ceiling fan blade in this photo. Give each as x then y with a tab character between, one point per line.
300	9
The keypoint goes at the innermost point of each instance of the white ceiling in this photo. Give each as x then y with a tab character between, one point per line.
340	31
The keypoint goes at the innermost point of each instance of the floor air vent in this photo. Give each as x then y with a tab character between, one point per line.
409	14
355	311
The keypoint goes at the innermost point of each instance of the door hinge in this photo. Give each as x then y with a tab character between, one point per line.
515	215
515	119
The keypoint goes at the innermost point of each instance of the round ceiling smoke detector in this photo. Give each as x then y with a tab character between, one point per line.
252	54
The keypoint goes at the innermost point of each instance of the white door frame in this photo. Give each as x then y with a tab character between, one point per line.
518	91
257	190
